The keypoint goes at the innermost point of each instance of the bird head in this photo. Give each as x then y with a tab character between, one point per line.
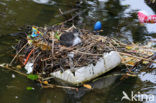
76	32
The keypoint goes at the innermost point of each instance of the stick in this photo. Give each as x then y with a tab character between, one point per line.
137	57
60	11
73	17
87	53
59	86
37	56
46	59
53	42
66	12
112	75
6	66
18	53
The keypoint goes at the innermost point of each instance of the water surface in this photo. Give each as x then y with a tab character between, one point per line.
119	19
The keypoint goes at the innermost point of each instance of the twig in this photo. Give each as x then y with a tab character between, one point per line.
111	75
136	64
153	58
137	57
37	56
47	78
59	86
66	12
60	11
72	27
6	66
76	51
87	53
46	59
53	42
73	17
18	53
127	75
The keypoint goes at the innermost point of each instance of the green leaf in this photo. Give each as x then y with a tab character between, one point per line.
32	76
57	36
30	88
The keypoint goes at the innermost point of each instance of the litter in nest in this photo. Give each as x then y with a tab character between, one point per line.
61	52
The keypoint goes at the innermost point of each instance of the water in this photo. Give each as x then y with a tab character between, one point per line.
119	19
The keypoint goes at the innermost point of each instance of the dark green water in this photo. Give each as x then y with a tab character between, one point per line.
119	20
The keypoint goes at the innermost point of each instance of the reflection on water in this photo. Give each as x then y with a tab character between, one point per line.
15	14
119	19
151	77
133	6
48	2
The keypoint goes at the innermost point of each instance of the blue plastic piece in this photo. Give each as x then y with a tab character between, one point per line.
97	26
34	35
34	32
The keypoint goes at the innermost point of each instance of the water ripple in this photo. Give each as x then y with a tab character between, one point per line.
46	2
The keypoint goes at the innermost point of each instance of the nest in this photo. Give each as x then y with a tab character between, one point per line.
47	55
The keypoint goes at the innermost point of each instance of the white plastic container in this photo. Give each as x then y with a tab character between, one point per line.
87	73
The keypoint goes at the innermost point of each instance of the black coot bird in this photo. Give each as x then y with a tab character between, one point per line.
70	38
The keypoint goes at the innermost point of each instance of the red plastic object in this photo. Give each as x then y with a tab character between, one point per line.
144	18
28	56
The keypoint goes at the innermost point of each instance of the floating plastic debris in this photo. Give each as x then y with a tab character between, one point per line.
97	26
29	67
30	88
35	32
13	75
145	18
87	73
16	97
